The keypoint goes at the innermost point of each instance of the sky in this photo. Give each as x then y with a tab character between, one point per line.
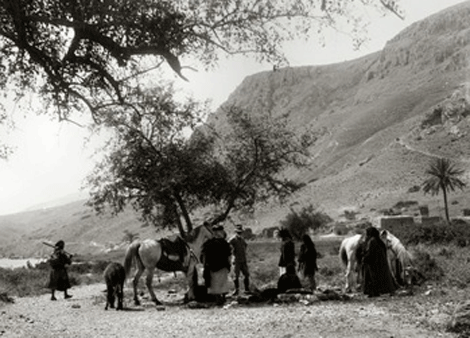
52	159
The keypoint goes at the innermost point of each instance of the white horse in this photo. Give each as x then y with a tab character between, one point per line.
348	256
168	255
399	258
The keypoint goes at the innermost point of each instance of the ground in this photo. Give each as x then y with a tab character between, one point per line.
84	316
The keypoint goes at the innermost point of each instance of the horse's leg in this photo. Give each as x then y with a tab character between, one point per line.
148	282
109	295
360	275
351	274
120	295
348	277
190	274
135	282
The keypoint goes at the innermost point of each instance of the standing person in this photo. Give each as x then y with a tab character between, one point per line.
287	251
308	260
239	246
59	279
216	258
377	276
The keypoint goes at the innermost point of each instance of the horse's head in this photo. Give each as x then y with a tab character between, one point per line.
387	238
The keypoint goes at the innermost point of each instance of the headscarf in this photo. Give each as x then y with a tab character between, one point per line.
372	232
60	245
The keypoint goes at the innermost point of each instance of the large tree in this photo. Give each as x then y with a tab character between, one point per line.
153	165
443	175
80	54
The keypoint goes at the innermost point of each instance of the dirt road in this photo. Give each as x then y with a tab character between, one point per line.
84	316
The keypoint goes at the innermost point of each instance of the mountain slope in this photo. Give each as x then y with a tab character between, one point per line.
371	114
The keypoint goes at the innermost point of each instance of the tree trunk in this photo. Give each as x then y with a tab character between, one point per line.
178	220
184	211
446	206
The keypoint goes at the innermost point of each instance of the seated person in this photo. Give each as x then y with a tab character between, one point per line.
288	280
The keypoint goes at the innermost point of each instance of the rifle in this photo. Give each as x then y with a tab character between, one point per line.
53	246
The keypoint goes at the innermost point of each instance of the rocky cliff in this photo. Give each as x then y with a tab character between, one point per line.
378	119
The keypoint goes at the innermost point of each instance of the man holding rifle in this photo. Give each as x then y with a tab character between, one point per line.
59	279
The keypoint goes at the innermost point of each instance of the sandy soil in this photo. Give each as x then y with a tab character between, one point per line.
84	316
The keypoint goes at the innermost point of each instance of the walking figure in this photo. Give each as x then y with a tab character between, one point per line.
58	278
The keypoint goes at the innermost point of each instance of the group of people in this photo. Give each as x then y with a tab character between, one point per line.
307	262
217	253
216	257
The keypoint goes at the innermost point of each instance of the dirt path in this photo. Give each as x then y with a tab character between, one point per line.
84	316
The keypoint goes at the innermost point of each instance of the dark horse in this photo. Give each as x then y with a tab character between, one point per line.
168	255
114	276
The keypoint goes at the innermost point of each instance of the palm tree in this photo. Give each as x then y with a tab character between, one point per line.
443	175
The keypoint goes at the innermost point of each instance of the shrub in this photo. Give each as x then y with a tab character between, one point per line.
405	204
308	218
438	233
24	282
340	229
427	265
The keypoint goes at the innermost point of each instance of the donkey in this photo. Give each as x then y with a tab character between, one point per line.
114	276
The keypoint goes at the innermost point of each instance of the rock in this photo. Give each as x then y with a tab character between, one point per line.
197	305
288	297
332	295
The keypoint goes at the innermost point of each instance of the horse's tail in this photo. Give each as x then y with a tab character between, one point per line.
131	253
343	255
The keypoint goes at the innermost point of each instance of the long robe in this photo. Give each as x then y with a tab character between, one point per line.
58	278
377	277
216	255
287	254
308	260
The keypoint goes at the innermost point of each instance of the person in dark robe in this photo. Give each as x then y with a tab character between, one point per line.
378	279
58	278
216	254
308	261
287	251
289	280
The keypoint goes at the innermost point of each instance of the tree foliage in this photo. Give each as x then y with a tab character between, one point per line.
153	165
79	54
443	175
299	223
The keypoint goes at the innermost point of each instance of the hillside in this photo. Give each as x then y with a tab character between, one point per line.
378	121
75	223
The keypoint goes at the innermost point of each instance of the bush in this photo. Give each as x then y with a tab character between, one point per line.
300	223
24	282
456	233
340	229
427	265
